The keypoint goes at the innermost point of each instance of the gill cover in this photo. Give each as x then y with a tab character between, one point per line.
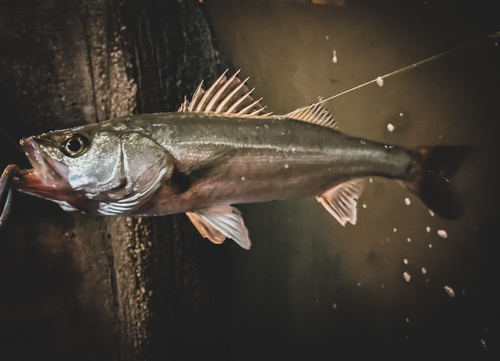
144	164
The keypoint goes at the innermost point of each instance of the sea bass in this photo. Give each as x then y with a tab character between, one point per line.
220	149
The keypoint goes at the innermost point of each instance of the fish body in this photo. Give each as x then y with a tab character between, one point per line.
222	149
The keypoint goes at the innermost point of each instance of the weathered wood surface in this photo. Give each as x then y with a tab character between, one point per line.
82	287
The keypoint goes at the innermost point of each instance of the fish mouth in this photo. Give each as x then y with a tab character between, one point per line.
48	171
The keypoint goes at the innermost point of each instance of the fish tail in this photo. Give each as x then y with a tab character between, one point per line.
430	177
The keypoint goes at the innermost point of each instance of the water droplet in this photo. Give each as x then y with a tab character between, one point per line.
380	81
405	261
406	276
407	201
363	205
401	114
243	178
484	345
449	291
431	213
327	37
370	180
334	306
334	59
442	233
390	127
407	319
430	245
359	284
408	239
424	270
394	230
286	166
428	229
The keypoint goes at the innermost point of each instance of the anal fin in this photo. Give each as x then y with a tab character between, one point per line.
341	200
218	222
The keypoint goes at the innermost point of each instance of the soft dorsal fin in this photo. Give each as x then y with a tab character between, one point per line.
225	97
340	200
315	113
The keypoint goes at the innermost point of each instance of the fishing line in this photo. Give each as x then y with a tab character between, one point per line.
10	139
406	68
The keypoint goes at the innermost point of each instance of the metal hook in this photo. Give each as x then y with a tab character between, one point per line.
5	180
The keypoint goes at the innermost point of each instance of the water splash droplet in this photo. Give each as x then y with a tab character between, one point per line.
449	291
442	233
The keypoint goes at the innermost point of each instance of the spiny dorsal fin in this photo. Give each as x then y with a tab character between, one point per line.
225	97
315	113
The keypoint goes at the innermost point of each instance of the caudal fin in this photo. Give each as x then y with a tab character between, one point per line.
430	178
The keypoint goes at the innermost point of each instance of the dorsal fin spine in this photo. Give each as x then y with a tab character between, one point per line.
230	96
239	101
225	97
217	95
196	97
246	109
209	93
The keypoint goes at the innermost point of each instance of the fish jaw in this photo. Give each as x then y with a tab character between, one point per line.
27	181
48	171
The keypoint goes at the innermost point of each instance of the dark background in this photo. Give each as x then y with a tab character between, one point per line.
81	287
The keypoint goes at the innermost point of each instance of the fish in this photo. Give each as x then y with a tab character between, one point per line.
220	149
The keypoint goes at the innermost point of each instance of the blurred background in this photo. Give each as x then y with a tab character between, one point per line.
377	290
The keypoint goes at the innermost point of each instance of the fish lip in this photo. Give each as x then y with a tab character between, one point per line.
49	171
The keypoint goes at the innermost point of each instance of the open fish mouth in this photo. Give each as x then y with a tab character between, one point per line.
50	172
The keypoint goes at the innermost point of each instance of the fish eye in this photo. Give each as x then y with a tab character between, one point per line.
75	146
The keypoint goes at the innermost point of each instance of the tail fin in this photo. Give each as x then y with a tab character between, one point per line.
430	178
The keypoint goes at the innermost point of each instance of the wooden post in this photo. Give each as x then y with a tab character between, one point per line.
80	287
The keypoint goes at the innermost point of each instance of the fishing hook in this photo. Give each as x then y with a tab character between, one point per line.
5	200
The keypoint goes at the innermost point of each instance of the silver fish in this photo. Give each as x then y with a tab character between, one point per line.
220	149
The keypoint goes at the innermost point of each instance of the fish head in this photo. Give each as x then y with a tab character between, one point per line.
105	162
82	158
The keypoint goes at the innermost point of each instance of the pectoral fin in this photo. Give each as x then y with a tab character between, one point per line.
218	222
212	166
340	201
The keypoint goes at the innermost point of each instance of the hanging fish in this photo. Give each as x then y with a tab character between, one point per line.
220	149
